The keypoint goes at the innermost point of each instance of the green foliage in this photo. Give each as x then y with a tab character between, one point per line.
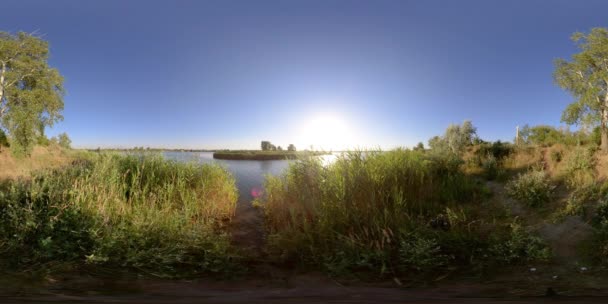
543	135
497	149
491	167
520	246
490	157
579	170
64	141
3	140
31	92
266	145
43	141
556	156
421	253
380	212
600	232
532	188
291	147
135	211
585	78
455	139
419	147
580	199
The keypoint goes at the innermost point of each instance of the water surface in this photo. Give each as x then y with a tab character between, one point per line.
249	174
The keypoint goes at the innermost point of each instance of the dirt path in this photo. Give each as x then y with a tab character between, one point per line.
247	229
563	236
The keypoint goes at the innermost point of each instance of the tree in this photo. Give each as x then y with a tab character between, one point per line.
266	145
455	139
31	92
3	140
419	147
586	78
65	141
291	147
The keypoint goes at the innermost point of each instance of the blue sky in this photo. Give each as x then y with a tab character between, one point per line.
212	74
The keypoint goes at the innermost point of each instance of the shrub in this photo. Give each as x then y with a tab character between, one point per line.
556	156
393	212
455	139
490	167
579	199
3	140
421	253
579	168
497	149
135	211
64	141
532	188
520	246
599	244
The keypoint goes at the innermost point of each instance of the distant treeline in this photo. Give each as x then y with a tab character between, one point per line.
263	155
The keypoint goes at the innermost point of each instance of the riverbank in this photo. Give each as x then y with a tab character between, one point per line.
401	217
264	155
43	157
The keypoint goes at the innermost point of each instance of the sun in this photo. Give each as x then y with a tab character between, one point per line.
326	132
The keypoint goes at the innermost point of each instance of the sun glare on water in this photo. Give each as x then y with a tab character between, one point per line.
326	132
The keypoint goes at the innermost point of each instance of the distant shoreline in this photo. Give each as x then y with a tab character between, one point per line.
264	155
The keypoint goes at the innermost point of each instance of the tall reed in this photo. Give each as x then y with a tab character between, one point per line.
381	211
137	211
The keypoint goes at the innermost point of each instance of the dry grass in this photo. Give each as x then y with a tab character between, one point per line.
523	159
52	156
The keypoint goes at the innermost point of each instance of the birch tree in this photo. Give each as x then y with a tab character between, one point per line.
31	92
585	76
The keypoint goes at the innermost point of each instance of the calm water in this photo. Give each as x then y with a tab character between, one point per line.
249	174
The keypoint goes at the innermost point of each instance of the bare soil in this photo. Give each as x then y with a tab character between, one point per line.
564	236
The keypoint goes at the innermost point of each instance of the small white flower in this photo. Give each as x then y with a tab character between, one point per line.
555	277
532	269
583	268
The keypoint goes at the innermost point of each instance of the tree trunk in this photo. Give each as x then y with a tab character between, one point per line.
604	130
2	72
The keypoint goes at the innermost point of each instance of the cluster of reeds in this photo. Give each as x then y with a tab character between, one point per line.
136	211
388	212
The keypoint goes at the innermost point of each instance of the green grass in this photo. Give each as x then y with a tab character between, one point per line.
137	212
391	213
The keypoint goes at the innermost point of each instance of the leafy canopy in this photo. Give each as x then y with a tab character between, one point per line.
455	139
31	92
586	78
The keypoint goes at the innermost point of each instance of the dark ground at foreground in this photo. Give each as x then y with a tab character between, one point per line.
303	289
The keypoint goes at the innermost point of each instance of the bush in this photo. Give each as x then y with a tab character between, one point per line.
532	188
3	140
579	170
580	198
490	167
599	244
520	246
497	149
395	212
135	211
556	156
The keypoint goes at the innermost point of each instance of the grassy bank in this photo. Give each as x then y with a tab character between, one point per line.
263	155
389	213
43	157
137	212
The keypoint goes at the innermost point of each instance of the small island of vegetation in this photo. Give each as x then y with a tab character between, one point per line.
268	152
